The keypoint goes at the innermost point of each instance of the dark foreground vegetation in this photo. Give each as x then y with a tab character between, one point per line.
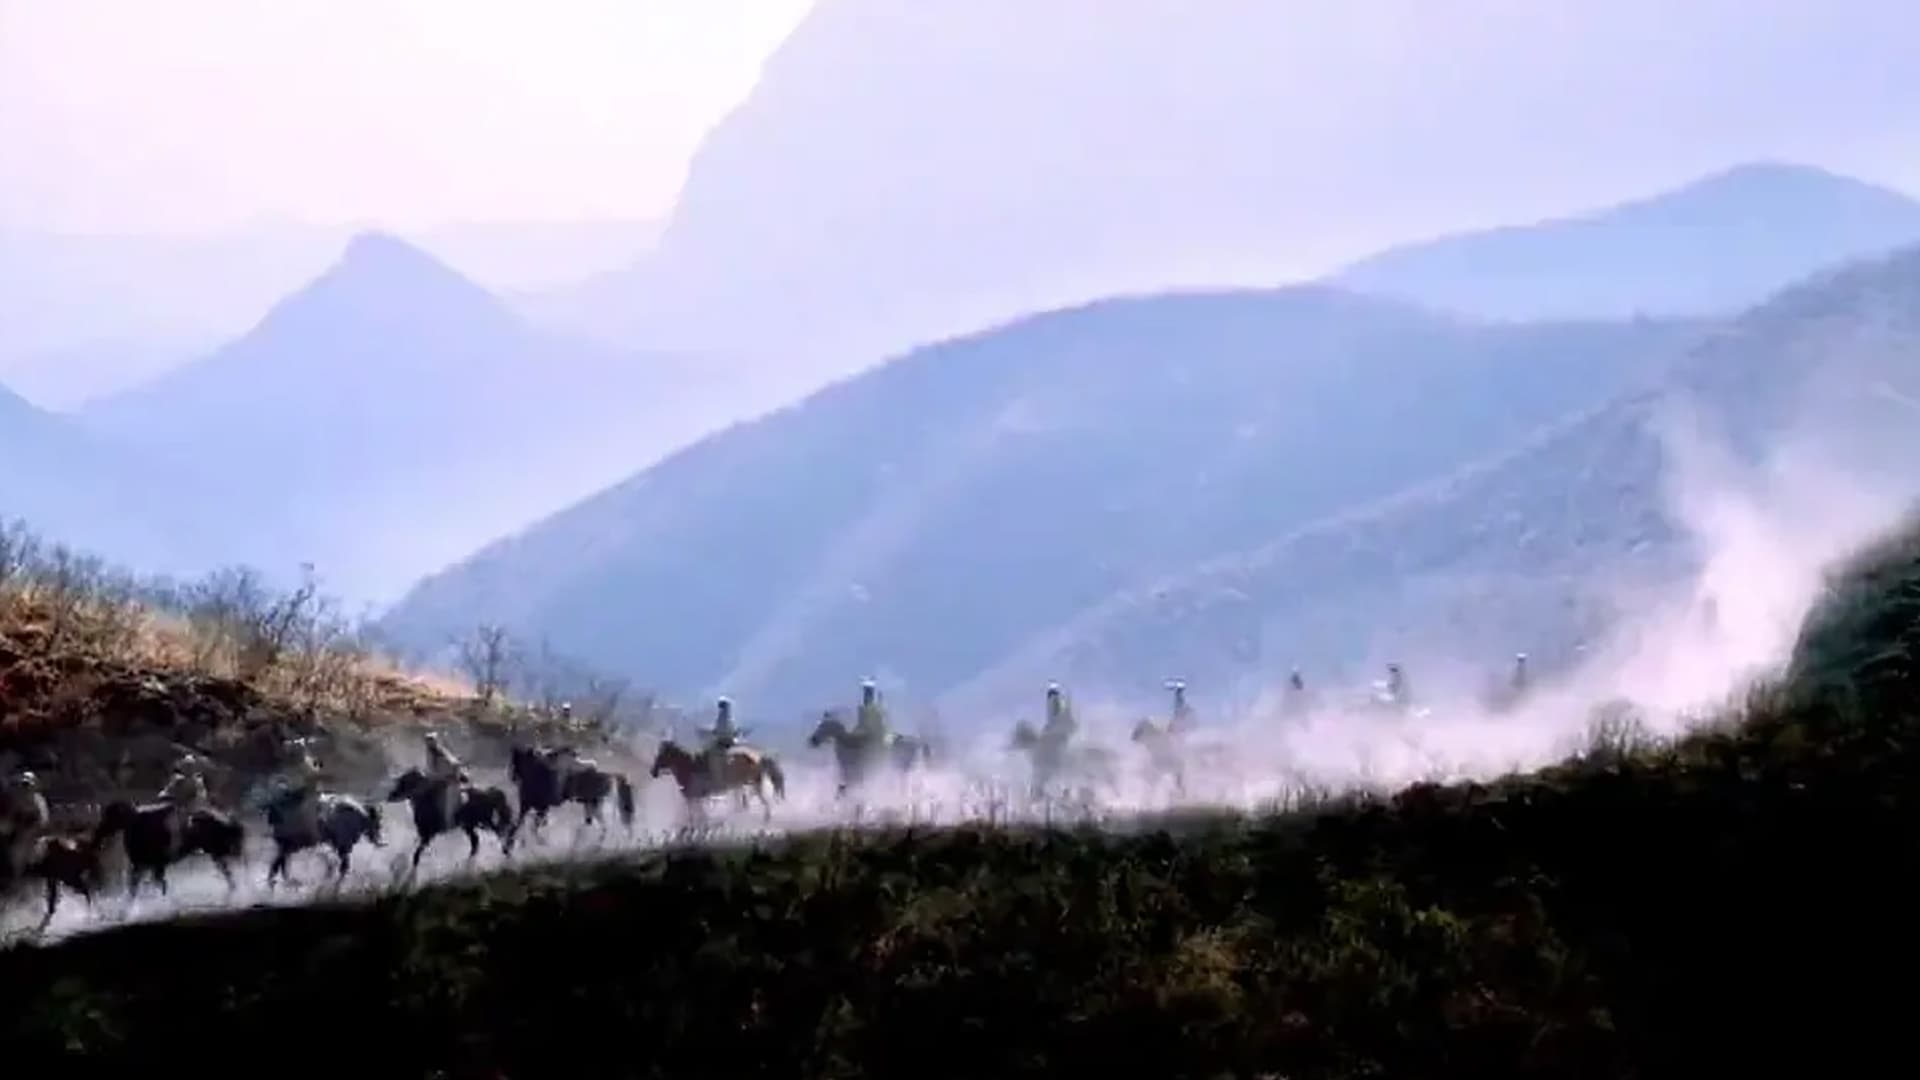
1743	896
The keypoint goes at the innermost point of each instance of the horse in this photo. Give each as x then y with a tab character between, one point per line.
340	822
479	808
1165	754
856	754
1052	757
745	768
542	789
148	836
56	860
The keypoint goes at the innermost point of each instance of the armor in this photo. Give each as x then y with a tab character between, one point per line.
723	736
443	767
871	722
1182	719
1060	724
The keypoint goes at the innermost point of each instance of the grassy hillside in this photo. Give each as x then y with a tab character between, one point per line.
1740	894
105	678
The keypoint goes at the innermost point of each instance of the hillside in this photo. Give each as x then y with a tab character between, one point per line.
1531	550
1712	246
903	173
1738	896
390	416
106	676
917	521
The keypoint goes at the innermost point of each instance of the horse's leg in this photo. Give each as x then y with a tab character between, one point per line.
160	877
53	900
419	849
473	843
226	871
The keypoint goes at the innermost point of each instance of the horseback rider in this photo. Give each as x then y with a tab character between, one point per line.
1519	674
185	792
1396	685
871	723
1060	724
720	738
300	788
26	806
442	765
1182	719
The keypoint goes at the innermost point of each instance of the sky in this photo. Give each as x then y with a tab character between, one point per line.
187	115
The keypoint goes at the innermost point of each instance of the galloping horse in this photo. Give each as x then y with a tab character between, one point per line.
857	753
151	844
1052	758
745	768
479	808
542	789
1165	754
57	860
340	822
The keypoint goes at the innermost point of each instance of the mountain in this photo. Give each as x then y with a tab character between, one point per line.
918	521
391	415
83	316
1534	549
905	172
73	489
1713	245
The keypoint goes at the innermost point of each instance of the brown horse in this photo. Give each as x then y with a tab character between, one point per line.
746	769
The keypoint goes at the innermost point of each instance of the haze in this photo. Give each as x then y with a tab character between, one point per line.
124	115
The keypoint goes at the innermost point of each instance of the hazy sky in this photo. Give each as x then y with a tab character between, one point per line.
187	114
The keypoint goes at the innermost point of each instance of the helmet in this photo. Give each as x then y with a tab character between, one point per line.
866	684
566	706
1053	689
1520	657
1176	685
28	779
433	738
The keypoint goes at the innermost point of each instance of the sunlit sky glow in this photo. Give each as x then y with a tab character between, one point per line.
140	115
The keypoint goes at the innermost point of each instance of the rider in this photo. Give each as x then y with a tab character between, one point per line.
185	791
443	765
1060	725
721	737
1182	720
1396	685
27	809
1519	674
871	723
300	785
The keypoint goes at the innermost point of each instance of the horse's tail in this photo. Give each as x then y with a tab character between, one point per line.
623	796
772	771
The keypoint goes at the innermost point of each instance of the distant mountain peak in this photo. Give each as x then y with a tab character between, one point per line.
380	276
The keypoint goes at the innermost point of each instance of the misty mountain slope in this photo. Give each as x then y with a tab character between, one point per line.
905	172
1528	551
390	416
73	489
1712	246
919	520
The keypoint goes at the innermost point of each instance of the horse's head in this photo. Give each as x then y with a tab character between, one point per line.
117	815
1024	737
670	756
407	785
830	728
1145	731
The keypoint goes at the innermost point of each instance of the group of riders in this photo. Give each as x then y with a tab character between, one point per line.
297	803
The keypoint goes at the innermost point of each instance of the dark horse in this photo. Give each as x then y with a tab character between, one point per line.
152	846
479	808
56	860
542	790
339	821
858	754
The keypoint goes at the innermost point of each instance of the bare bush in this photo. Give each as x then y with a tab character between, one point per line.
488	659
